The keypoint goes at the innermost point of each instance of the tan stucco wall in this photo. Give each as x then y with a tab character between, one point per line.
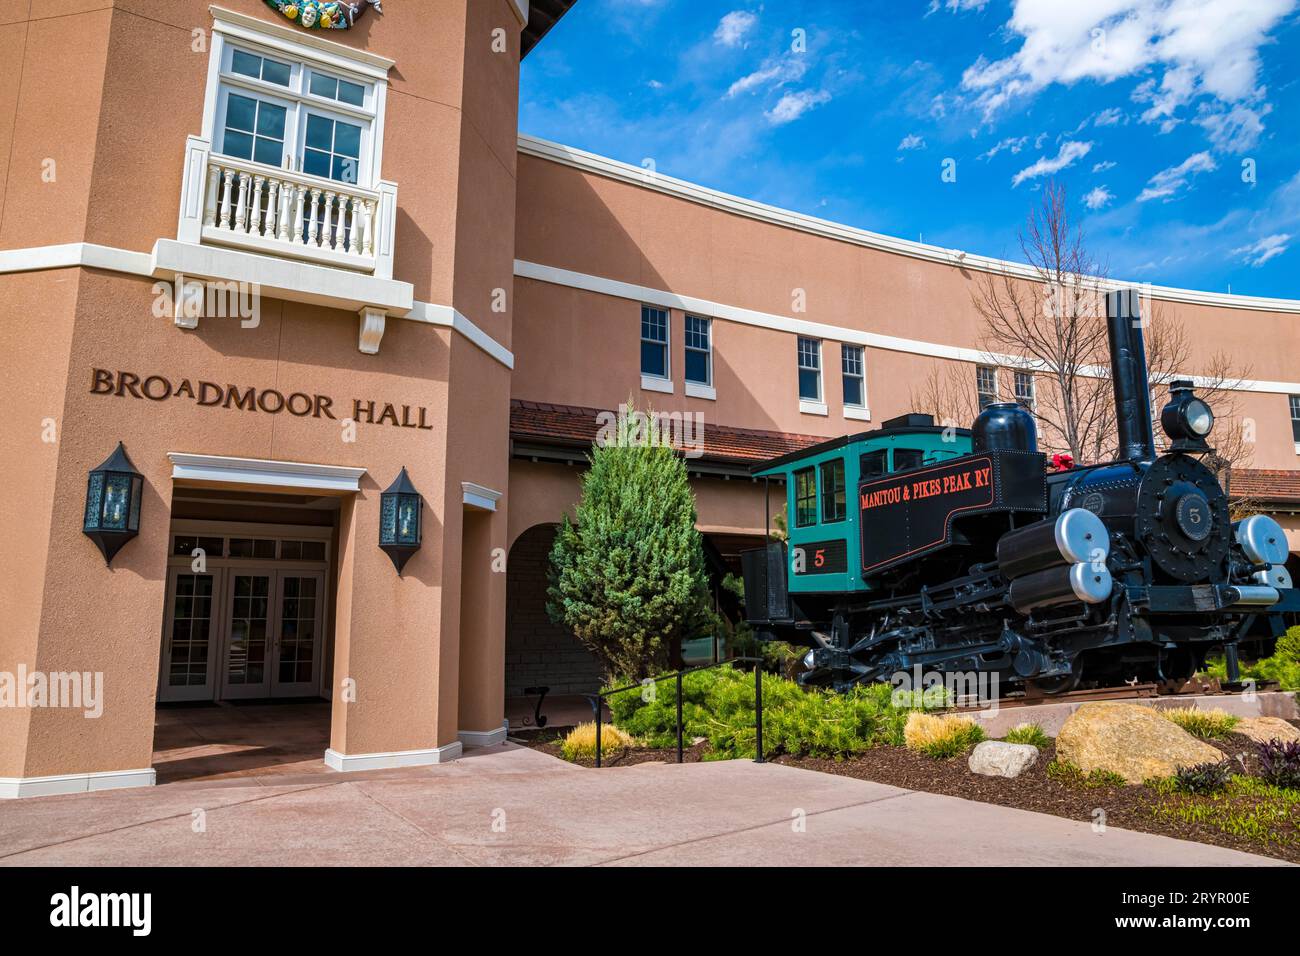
638	235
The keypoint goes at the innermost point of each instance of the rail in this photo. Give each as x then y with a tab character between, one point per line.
676	676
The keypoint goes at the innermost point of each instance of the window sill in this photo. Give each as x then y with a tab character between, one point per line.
1297	448
857	413
696	390
653	383
812	408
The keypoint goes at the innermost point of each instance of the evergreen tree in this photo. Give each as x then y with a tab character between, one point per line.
628	577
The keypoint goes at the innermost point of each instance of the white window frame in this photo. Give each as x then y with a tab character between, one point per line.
980	393
1032	402
656	383
703	389
810	406
305	54
860	411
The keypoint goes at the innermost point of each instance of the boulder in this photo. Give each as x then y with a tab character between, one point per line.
996	758
1133	741
1262	729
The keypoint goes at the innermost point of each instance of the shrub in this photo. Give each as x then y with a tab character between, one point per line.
581	741
1028	734
1203	778
1283	666
1073	776
1207	724
1279	763
941	735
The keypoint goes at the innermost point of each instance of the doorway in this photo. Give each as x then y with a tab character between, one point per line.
245	612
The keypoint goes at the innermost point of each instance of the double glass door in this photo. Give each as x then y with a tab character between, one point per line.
242	632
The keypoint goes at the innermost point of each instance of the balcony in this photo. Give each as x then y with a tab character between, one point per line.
275	212
290	235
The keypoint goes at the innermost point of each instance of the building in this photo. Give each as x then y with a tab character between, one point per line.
281	265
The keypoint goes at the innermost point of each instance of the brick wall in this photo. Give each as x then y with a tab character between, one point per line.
538	653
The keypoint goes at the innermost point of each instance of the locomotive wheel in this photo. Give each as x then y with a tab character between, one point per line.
1051	686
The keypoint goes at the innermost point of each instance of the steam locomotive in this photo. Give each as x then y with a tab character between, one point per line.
962	553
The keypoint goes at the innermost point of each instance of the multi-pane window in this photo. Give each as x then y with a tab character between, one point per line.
874	463
699	354
834	494
1024	383
805	498
810	369
654	341
855	384
291	115
986	384
1295	418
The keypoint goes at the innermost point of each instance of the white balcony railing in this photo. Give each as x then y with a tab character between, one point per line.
233	202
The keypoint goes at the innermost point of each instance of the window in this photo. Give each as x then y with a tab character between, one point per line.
1024	383
805	498
986	384
873	463
810	369
834	495
654	342
699	353
293	115
905	458
855	385
1295	418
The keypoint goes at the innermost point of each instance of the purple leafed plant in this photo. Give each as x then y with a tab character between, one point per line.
1279	763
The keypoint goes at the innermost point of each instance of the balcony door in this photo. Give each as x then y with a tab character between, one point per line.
273	633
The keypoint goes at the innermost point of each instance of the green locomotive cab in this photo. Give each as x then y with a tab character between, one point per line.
823	552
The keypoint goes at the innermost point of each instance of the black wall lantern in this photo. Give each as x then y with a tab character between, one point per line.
399	520
113	503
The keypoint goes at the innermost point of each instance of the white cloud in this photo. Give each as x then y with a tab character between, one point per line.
1168	181
1258	253
911	141
1233	130
774	71
1104	165
955	6
1111	117
1200	48
655	85
1098	197
733	27
1069	153
1013	144
793	105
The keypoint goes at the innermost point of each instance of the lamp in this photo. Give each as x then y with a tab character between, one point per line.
399	520
113	492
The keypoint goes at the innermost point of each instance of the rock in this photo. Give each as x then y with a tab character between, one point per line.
1262	729
1133	741
996	758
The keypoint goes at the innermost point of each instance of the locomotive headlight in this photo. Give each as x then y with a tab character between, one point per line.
810	659
1187	419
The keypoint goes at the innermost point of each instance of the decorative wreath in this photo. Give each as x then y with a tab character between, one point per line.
324	14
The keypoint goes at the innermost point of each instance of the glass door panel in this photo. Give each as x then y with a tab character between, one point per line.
248	642
189	640
298	645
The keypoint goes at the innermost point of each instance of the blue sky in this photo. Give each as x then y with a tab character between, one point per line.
1174	125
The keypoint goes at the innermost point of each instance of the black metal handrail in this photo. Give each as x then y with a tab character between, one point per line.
595	701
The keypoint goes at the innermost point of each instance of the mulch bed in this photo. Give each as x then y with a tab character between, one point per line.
1130	808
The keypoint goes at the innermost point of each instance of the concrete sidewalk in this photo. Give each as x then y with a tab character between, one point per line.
514	806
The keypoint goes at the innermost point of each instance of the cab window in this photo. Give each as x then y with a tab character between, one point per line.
873	463
907	458
805	498
834	500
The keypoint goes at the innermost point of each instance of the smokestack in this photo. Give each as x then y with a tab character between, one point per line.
1128	373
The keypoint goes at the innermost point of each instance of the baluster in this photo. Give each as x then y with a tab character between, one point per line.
327	215
255	205
299	206
227	201
351	246
313	235
241	207
212	195
272	209
369	248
